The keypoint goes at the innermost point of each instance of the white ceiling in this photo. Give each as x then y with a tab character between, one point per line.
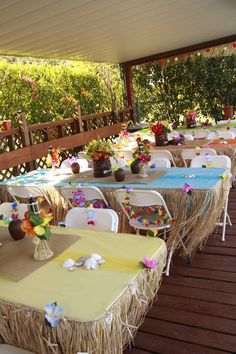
110	30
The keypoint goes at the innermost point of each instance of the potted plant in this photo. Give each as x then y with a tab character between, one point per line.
100	151
160	130
6	124
229	99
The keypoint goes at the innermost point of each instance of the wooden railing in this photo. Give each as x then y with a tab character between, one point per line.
25	148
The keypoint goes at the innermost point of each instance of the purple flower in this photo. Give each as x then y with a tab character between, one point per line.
150	262
186	188
72	160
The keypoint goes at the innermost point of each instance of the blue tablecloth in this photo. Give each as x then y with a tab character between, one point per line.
175	178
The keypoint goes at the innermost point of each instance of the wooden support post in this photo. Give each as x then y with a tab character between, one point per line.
25	137
78	119
129	88
10	139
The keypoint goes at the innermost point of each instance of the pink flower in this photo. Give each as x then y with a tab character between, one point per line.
186	188
150	262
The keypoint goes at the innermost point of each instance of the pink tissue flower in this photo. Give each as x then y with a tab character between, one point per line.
186	188
150	262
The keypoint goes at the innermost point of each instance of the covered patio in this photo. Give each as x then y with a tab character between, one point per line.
194	309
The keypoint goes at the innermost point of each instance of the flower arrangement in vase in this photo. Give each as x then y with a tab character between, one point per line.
54	157
160	130
191	119
100	151
142	155
36	224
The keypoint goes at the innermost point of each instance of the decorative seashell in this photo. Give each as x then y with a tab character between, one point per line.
101	261
68	263
90	263
95	256
79	262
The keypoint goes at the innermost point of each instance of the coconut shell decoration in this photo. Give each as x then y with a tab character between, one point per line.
15	231
135	166
119	175
75	167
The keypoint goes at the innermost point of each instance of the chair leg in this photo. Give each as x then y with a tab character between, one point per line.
228	218
167	272
224	225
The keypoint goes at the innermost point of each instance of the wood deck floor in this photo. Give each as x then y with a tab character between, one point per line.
195	312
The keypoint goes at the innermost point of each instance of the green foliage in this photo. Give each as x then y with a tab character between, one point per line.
197	83
48	89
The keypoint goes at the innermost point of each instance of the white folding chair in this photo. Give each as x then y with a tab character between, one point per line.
219	161
188	137
162	153
6	209
225	134
11	349
103	219
160	162
145	198
26	192
89	193
212	135
200	134
188	154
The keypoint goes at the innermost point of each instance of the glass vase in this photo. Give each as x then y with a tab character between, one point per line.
143	172
42	250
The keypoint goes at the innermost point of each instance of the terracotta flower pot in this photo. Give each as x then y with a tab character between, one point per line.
15	231
119	175
75	167
135	166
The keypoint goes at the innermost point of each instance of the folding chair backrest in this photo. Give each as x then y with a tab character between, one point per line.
189	154
201	134
161	162
212	135
162	153
225	134
6	209
188	137
89	193
25	191
104	219
141	198
218	161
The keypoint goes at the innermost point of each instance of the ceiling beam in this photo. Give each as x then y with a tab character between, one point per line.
188	49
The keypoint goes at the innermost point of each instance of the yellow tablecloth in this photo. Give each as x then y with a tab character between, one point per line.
86	295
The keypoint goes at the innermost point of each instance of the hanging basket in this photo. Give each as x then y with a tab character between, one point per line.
102	168
160	139
42	250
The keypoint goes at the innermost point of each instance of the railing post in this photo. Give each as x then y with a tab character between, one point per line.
78	120
24	129
115	115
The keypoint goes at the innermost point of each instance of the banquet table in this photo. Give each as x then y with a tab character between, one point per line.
103	307
195	213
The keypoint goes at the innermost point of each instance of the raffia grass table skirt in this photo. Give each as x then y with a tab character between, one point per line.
104	307
195	214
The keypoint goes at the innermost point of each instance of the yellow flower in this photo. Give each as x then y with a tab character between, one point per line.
128	162
39	230
46	220
165	123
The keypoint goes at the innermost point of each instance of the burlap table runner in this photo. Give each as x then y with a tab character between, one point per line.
187	144
16	257
129	178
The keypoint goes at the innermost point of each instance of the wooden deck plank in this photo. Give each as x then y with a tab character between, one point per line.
198	306
180	280
203	321
199	294
204	273
195	311
190	334
164	345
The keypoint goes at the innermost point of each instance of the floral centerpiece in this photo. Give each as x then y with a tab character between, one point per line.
54	157
191	119
142	154
36	225
160	130
100	151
